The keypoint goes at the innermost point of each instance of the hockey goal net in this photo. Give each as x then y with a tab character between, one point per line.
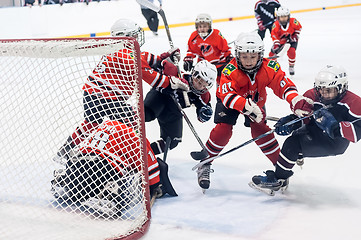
42	104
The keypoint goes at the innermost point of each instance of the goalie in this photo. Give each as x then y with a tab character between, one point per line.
105	174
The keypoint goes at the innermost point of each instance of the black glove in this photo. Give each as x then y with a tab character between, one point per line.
326	121
187	64
204	113
282	129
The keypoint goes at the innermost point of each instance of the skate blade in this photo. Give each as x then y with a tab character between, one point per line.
267	191
204	191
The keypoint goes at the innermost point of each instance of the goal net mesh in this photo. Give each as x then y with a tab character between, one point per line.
73	163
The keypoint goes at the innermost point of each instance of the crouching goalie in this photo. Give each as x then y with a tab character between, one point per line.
105	175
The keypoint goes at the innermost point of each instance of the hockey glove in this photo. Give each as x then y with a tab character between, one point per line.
261	27
188	63
204	113
282	129
255	113
178	83
302	106
276	48
173	54
169	68
294	37
326	121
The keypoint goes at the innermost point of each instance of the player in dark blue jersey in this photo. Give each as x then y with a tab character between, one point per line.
264	11
328	132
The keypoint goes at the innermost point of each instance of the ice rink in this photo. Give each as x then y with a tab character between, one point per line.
323	200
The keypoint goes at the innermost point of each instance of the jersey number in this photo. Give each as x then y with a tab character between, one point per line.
99	140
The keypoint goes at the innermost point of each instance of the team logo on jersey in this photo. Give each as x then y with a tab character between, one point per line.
295	21
229	69
131	54
205	49
220	35
274	65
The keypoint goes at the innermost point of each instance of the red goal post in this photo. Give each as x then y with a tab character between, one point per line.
42	104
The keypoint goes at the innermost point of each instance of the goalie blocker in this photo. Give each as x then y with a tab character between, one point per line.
95	177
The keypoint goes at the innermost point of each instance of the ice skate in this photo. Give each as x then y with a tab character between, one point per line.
268	184
203	173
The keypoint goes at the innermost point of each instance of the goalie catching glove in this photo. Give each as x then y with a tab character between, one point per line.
255	113
302	106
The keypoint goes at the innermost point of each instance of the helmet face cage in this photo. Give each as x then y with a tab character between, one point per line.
205	71
283	12
128	28
249	43
331	77
203	18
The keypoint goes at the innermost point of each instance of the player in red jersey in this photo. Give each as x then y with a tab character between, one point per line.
285	30
107	163
242	89
208	44
328	132
109	86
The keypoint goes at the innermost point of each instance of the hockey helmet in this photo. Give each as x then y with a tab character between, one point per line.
283	12
331	77
249	43
204	18
205	71
128	28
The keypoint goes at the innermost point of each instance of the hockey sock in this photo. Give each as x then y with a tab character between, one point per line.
219	138
82	131
291	53
268	144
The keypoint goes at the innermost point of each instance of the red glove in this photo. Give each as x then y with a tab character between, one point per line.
294	37
302	106
276	48
173	53
261	27
169	68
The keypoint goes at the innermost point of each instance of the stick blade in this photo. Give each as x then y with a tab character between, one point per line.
149	5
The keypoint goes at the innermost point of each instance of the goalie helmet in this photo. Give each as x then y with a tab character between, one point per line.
204	18
207	72
249	43
283	12
331	77
128	28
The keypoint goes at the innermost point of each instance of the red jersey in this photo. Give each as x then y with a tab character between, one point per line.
235	85
214	48
151	73
119	145
112	77
280	33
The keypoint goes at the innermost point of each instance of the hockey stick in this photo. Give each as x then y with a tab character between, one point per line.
247	142
157	9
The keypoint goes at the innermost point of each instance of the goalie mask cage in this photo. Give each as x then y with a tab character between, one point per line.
41	106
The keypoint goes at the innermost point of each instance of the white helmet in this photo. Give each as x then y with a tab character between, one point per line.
205	70
128	28
331	77
204	18
283	12
249	43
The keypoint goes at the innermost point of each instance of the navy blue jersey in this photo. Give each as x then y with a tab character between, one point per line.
265	11
347	112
